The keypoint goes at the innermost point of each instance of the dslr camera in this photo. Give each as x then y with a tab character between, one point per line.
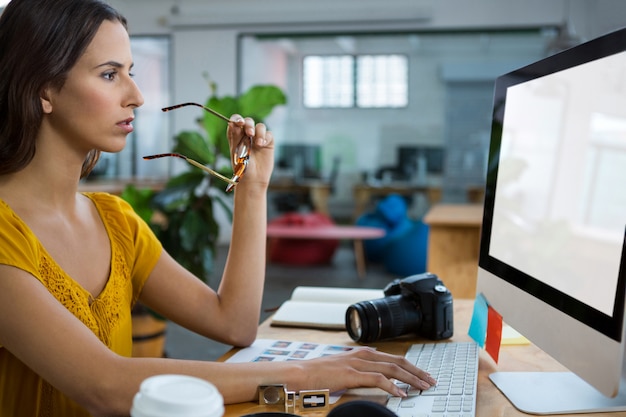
419	304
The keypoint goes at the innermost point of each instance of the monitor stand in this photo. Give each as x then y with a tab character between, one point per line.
555	393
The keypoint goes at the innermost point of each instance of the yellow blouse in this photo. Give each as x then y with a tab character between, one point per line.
135	251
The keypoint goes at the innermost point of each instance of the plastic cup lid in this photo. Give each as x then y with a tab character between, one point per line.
177	395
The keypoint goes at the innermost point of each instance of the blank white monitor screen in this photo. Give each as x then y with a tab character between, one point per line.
560	216
554	229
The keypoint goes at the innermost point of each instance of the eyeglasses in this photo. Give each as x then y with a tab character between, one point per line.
241	155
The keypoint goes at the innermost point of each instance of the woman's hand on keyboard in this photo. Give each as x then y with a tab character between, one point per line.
366	367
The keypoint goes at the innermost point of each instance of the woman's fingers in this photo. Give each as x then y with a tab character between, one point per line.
257	131
393	366
370	368
267	140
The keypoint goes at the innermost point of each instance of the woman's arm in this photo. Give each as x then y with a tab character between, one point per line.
230	314
44	335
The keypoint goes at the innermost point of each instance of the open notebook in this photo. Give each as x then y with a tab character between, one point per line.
321	307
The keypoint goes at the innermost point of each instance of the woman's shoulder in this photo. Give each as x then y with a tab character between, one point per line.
107	200
115	212
10	222
18	245
111	205
120	217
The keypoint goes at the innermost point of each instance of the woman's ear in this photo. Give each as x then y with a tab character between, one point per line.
46	104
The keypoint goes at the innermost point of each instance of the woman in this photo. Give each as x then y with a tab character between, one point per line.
72	264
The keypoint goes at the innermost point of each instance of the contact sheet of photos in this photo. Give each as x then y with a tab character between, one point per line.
268	350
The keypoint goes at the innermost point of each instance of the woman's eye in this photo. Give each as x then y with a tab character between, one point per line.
109	75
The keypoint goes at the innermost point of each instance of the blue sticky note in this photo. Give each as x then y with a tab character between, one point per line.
478	325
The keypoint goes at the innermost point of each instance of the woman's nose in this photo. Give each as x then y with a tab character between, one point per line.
135	98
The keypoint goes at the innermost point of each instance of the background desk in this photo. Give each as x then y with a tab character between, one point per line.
355	233
453	245
489	403
317	191
363	193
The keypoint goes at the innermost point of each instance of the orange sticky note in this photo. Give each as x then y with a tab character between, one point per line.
494	333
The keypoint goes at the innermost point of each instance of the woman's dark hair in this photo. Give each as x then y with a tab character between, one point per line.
40	41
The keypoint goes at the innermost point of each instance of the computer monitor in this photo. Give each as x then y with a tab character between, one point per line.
408	158
552	253
303	160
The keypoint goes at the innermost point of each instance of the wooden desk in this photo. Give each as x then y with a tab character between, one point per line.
363	193
318	191
453	245
489	402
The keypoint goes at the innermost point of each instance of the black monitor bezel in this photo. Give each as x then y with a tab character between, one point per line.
611	326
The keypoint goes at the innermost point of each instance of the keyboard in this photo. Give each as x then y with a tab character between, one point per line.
455	367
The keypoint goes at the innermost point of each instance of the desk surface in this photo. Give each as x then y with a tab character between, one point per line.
490	402
455	215
324	232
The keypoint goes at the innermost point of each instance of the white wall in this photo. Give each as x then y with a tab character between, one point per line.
204	33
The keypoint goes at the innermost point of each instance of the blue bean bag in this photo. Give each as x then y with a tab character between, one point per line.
390	214
406	254
392	209
374	249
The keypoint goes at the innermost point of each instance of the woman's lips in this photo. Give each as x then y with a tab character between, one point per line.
126	125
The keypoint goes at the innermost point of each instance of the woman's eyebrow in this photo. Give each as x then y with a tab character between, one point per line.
114	64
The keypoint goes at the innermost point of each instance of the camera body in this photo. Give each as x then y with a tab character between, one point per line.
432	297
419	304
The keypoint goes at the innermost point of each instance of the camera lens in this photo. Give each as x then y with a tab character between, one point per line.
383	318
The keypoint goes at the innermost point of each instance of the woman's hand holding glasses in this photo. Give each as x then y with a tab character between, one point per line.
241	132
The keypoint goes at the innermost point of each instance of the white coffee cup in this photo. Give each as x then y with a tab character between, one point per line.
177	396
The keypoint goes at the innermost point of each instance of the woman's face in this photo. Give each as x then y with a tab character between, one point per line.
94	108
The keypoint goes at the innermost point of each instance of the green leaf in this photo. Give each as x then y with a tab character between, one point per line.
191	226
140	201
216	127
191	179
259	101
173	198
194	146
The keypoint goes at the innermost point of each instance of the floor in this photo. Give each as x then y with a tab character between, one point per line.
279	283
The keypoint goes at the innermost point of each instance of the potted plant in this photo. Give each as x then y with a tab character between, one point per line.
183	214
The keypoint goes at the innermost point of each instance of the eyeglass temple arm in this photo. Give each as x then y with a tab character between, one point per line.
194	163
213	112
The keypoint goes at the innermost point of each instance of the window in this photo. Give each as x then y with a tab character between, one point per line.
382	81
329	81
355	81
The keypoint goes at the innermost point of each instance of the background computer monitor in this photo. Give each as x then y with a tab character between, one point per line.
552	254
303	160
408	158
